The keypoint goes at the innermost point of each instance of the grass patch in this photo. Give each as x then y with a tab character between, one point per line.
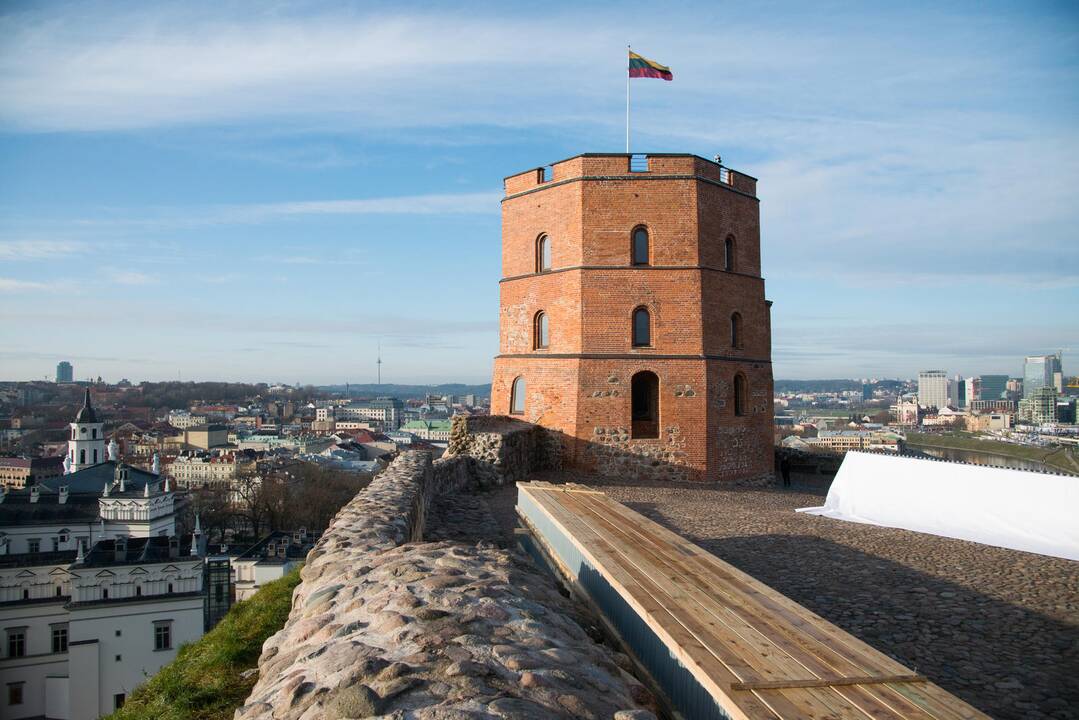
203	682
1055	457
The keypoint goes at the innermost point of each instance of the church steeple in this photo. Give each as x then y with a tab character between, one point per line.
86	446
86	413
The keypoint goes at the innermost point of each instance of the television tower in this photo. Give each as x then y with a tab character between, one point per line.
378	362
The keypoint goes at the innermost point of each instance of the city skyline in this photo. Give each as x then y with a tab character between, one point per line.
321	179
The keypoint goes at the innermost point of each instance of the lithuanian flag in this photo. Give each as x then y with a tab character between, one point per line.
643	67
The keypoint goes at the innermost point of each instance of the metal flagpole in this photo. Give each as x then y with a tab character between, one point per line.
628	50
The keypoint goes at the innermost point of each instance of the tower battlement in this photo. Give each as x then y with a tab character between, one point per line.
600	165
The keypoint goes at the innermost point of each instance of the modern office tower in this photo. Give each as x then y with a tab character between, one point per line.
1058	373
1039	371
933	389
65	373
993	387
972	391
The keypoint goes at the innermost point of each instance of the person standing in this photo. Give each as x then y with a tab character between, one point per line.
785	471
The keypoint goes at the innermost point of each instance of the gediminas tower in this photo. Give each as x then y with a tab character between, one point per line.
633	318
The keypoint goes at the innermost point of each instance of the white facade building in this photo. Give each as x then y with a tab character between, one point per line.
270	559
933	389
97	591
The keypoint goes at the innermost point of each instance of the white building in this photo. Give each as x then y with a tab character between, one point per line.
389	412
214	470
933	389
431	430
96	589
270	559
182	419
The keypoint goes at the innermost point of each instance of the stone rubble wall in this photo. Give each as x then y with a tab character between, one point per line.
385	625
502	449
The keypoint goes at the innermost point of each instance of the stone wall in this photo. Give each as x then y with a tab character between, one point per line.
498	449
386	625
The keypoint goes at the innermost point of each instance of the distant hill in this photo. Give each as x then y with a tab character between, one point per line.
410	391
816	385
830	386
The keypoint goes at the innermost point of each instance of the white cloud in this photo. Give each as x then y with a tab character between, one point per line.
11	285
437	204
40	249
130	277
162	218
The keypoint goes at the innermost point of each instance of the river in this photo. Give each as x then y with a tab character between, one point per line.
977	457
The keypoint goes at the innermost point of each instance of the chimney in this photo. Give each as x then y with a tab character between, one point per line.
120	545
35	494
63	494
174	547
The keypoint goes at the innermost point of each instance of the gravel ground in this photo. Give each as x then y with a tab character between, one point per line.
999	628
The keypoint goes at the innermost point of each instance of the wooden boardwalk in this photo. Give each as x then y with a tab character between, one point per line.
717	642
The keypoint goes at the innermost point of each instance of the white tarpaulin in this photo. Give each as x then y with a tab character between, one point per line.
1035	512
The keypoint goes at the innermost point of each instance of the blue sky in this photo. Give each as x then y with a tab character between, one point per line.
266	191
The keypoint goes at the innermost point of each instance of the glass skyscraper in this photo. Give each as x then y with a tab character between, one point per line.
1040	371
994	387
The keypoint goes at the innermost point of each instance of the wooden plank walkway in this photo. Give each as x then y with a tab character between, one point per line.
754	652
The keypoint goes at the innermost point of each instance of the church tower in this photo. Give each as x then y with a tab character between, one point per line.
86	446
633	318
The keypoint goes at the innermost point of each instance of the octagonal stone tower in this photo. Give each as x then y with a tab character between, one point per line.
633	318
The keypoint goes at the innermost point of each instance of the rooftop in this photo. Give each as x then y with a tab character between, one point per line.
139	551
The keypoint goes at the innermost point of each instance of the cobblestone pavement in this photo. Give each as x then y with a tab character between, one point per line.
998	628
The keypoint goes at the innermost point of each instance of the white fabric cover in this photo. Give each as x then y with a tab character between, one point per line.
1035	512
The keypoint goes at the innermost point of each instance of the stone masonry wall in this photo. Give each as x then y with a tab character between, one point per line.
499	449
385	625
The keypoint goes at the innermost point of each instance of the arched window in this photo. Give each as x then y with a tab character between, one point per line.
517	397
645	405
728	253
736	330
543	253
642	328
82	457
740	394
93	433
540	331
639	251
95	456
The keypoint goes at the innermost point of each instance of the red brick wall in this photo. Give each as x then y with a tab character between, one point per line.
589	209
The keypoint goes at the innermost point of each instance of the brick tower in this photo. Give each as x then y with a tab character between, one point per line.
633	318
